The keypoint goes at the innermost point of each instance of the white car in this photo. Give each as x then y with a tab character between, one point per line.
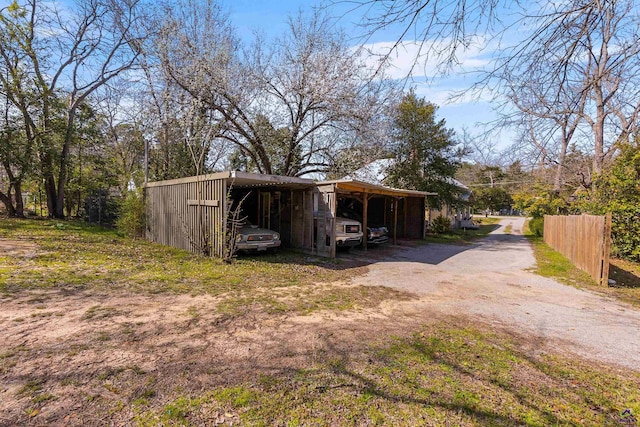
348	232
252	238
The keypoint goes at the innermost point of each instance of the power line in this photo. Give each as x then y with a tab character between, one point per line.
500	183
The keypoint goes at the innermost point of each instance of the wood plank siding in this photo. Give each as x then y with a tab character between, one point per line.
188	214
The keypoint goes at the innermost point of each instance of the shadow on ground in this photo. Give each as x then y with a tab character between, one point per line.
624	276
435	253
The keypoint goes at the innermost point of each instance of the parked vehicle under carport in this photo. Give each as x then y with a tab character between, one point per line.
251	238
348	232
376	234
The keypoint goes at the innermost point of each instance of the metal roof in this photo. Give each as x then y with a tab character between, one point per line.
355	186
241	179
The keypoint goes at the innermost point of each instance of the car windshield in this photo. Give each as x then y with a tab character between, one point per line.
247	224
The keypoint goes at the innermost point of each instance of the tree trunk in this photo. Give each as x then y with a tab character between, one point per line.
557	180
598	131
50	191
64	160
6	200
19	212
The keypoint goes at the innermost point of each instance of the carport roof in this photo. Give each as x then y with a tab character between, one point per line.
355	186
241	179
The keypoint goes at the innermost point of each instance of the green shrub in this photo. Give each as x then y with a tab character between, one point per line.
539	201
131	221
625	231
441	225
617	190
536	226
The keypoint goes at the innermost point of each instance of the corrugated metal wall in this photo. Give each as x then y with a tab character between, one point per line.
187	215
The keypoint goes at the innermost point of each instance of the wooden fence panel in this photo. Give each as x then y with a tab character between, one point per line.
584	239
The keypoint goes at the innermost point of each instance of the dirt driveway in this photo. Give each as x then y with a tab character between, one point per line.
489	280
81	354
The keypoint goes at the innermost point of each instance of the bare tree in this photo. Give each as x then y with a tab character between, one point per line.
441	29
582	58
547	116
578	70
289	109
123	133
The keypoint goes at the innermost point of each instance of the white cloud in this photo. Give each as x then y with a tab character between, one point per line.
442	93
417	59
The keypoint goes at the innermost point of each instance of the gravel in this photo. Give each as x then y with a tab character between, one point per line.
491	281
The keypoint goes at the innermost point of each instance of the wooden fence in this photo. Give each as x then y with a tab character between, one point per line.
584	239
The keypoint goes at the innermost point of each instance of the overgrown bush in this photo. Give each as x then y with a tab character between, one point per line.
617	190
131	221
625	232
536	226
440	225
539	201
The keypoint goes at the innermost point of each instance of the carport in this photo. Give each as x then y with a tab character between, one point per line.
401	211
191	213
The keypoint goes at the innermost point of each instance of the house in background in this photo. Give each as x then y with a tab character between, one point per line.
460	215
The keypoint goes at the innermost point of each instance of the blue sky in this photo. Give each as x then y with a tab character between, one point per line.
270	17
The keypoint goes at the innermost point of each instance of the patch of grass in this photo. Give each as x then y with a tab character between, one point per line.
31	387
442	375
460	236
550	263
237	397
100	312
34	389
76	256
110	372
43	314
42	397
508	229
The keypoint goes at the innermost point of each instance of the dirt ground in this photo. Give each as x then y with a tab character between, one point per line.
85	348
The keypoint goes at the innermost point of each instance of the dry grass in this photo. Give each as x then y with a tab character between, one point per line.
100	330
443	374
73	255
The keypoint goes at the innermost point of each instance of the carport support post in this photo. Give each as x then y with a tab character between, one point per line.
395	219
404	217
365	211
424	218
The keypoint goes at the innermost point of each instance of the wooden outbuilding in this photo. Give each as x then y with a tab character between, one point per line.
401	211
192	213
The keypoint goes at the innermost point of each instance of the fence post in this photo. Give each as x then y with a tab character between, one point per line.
606	250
